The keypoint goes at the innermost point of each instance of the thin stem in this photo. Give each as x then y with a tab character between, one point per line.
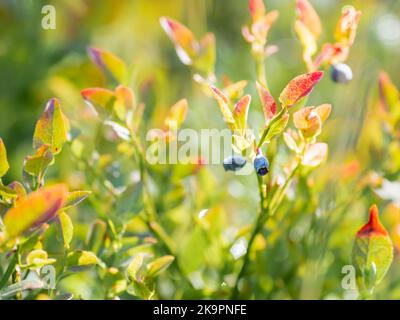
265	213
260	69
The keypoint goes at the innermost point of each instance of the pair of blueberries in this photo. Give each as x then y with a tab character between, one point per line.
235	162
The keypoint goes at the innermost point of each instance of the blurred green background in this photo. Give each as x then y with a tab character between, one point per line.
37	64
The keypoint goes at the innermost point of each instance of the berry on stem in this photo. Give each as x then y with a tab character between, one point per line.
261	164
234	163
341	73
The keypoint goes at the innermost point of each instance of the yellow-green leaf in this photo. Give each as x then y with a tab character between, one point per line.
52	128
76	197
109	63
136	268
67	228
177	114
38	207
80	260
159	265
99	99
38	258
4	166
35	165
224	105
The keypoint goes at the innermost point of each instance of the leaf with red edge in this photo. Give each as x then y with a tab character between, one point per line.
224	105
346	28
35	209
372	252
52	127
299	87
309	17
240	112
99	99
257	9
267	101
109	63
308	43
186	45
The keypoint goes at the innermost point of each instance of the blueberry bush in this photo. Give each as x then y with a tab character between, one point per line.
101	196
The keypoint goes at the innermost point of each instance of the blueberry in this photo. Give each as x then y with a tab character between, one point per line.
234	163
341	73
261	165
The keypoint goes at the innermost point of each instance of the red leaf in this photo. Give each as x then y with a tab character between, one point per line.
299	87
257	9
373	226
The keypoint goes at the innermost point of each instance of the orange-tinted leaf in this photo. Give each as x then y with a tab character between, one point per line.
299	87
241	111
51	128
309	17
315	154
347	26
110	63
4	166
267	101
323	110
185	43
308	122
176	114
125	101
307	41
99	99
235	90
224	105
257	9
35	209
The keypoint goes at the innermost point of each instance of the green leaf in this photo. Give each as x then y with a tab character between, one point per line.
109	63
372	253
51	128
96	236
81	260
159	265
76	197
7	193
130	202
37	164
136	268
205	60
67	228
275	127
4	166
35	209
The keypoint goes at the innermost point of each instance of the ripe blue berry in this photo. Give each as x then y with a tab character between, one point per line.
261	165
341	73
234	163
